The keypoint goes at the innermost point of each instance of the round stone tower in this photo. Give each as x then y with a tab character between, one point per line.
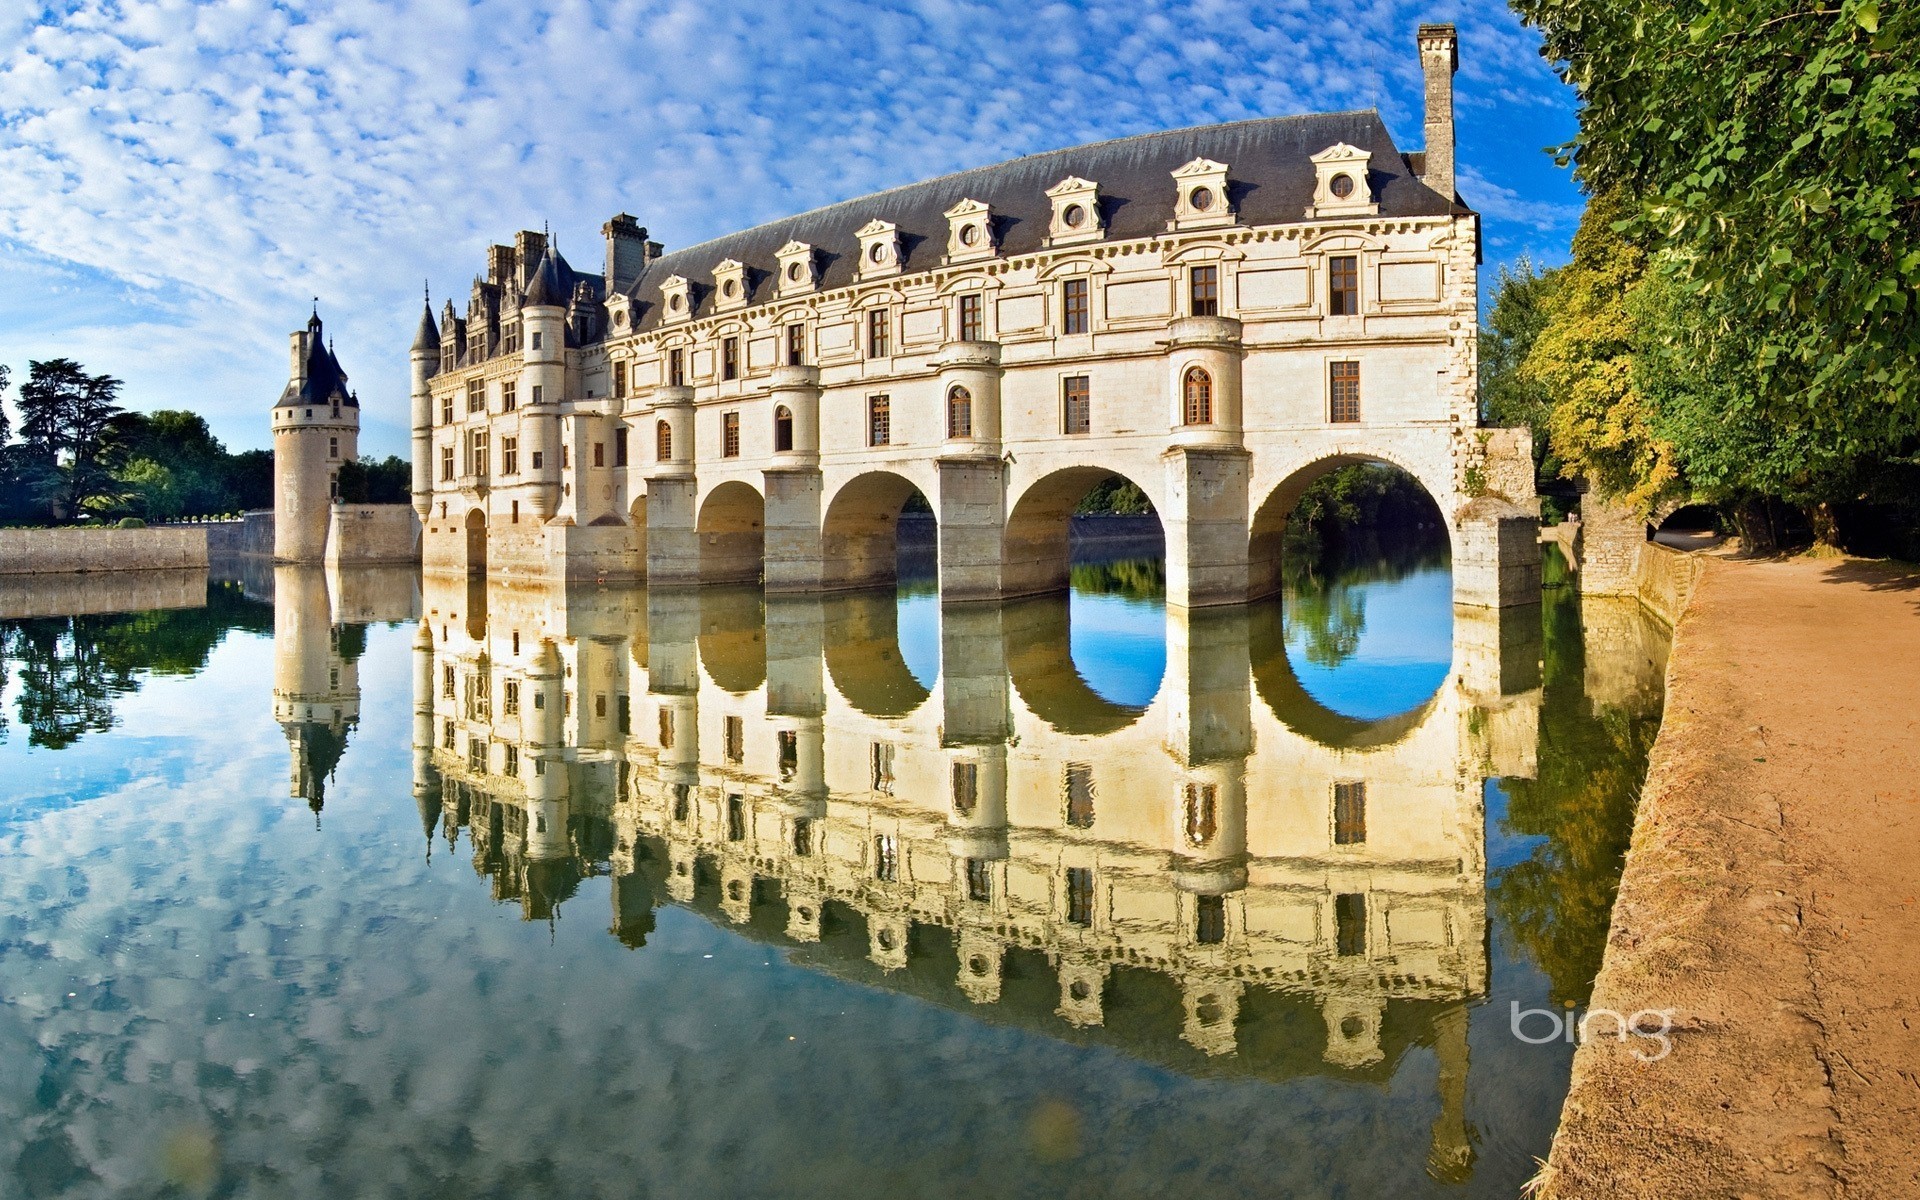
316	427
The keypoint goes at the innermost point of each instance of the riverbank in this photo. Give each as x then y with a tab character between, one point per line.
1771	902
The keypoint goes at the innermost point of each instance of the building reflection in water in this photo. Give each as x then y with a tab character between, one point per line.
1233	879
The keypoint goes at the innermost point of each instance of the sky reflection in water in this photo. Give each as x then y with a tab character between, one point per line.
204	981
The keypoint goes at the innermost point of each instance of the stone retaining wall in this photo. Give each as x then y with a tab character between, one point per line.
73	595
50	551
1664	579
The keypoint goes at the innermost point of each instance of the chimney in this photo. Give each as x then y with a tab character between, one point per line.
1439	59
626	251
299	373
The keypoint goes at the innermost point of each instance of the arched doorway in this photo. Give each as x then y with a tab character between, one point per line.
878	530
476	543
732	533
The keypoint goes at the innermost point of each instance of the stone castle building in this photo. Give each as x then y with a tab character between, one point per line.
316	431
1219	314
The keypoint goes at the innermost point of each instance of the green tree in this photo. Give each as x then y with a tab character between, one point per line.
65	417
1773	148
1519	313
1600	425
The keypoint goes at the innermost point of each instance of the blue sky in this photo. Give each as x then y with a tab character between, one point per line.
181	179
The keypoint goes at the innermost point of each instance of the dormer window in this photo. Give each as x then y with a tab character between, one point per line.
879	249
677	295
969	231
797	272
730	278
1076	212
1341	188
1201	199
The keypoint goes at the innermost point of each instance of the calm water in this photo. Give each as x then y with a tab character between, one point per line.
383	890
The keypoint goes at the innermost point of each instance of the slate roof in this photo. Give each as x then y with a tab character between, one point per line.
427	337
552	282
326	382
1270	179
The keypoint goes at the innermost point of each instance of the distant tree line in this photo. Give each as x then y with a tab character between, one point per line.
1739	321
79	456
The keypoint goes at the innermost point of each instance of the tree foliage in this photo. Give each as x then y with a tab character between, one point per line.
1773	153
65	416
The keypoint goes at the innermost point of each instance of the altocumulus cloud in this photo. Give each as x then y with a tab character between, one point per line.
180	178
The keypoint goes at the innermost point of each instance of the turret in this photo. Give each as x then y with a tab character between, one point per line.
543	378
425	359
316	427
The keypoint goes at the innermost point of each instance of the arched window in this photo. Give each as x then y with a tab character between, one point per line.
1201	816
1199	397
782	428
959	413
662	441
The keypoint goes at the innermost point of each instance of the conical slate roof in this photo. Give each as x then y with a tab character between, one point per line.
552	282
325	382
427	337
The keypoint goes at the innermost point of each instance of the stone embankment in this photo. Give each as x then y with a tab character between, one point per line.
1770	901
54	551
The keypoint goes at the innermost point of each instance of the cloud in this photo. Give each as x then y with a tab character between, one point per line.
182	178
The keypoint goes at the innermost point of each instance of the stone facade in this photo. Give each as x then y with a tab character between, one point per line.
57	551
1220	315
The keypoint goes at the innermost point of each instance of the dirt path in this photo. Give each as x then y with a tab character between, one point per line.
1771	900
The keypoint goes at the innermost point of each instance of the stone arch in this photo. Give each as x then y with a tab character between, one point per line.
860	533
1037	545
732	534
1040	664
733	638
476	543
1268	524
864	657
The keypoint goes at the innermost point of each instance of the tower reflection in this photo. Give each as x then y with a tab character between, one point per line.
1231	879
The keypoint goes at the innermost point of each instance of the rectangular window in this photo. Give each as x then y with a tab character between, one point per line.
886	858
510	698
480	439
803	837
1349	813
879	421
1076	412
966	788
509	396
877	333
980	880
535	397
736	818
446	464
730	435
1350	924
666	729
620	446
796	345
1079	787
446	409
1075	315
1210	926
536	340
476	395
730	358
970	318
677	367
787	742
446	683
1343	392
476	756
1080	895
600	705
510	337
1204	292
599	454
625	719
447	356
511	767
682	801
333	447
883	768
509	456
539	459
619	381
1343	285
446	735
734	736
